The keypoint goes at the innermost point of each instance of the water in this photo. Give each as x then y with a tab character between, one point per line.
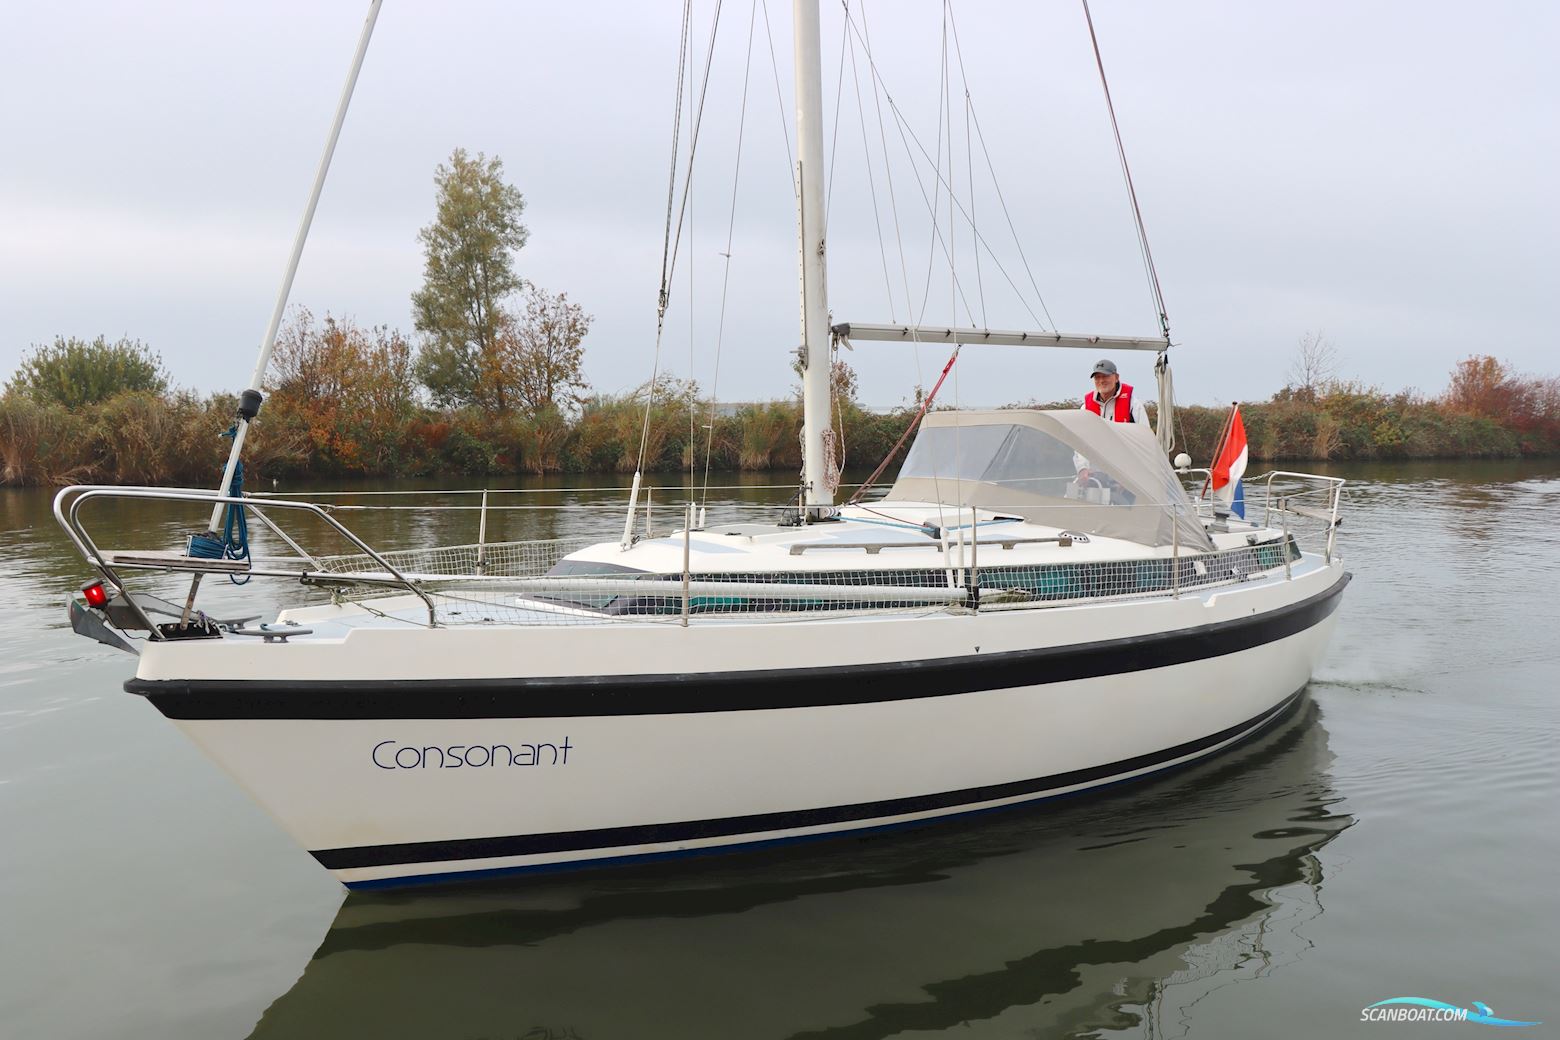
1398	837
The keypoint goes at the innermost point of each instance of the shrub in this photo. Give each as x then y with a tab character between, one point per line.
467	454
74	372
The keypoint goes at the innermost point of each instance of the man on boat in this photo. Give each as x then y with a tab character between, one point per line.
1113	401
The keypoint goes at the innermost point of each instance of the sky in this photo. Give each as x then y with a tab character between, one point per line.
1374	172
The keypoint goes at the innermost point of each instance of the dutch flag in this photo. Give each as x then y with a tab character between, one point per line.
1230	465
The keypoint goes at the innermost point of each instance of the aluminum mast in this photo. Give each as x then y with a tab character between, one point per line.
815	305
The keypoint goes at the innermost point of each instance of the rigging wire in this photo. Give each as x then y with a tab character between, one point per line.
731	224
946	242
693	313
931	205
931	257
693	139
1166	431
880	92
907	137
953	236
671	177
969	163
980	136
673	240
1126	173
953	290
666	263
893	452
940	183
834	436
666	274
992	170
834	138
785	126
877	221
888	174
865	35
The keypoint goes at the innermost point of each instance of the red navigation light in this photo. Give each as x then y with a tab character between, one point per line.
97	595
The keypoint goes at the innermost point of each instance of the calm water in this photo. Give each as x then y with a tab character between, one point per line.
1399	837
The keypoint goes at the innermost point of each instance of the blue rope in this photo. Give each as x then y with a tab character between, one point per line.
234	543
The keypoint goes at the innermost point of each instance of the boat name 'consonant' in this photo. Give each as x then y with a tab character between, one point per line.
391	754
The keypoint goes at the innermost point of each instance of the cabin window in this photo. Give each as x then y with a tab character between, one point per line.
1018	457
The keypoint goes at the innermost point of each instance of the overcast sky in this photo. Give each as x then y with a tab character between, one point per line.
1375	171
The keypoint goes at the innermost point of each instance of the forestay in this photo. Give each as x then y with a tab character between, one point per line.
1026	462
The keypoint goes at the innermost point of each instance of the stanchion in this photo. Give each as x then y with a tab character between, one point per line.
687	553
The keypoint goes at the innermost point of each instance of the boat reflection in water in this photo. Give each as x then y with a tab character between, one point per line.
1115	912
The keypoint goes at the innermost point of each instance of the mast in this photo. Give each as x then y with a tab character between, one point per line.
815	305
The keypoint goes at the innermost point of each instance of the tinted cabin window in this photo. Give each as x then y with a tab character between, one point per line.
573	568
1018	457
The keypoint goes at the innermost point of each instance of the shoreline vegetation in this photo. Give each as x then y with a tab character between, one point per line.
344	402
494	384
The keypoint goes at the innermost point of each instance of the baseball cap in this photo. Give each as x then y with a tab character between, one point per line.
1104	367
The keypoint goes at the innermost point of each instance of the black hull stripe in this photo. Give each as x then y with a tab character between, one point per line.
584	696
732	826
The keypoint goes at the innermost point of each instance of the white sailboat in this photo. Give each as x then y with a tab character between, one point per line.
991	633
1218	870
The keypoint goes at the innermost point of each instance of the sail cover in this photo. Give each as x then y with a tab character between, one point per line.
1026	463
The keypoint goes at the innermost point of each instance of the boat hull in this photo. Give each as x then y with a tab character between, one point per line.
393	780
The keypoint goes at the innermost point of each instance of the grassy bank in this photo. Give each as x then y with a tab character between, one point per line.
1350	422
145	437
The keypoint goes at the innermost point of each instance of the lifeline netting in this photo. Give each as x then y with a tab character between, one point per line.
532	583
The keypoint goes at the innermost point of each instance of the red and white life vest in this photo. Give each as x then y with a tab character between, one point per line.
1123	409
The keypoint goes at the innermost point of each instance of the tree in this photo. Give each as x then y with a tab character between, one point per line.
536	361
468	270
668	388
1479	386
73	372
1314	366
843	383
338	363
349	389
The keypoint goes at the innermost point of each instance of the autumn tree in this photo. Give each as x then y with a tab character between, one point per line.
536	363
76	372
468	271
1478	386
348	389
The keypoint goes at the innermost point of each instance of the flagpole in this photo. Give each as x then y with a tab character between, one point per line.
1218	447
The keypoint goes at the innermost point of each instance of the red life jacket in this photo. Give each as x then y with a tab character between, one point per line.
1123	410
